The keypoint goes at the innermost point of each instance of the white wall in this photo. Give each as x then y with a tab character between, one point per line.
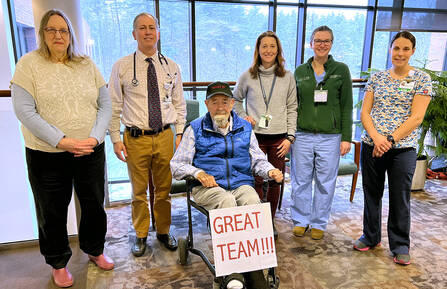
17	213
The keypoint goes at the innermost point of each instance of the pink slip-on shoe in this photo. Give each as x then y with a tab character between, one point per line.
102	261
62	277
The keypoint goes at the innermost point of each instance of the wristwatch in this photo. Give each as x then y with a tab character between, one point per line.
291	139
390	138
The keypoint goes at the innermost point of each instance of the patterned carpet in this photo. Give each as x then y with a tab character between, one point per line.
302	262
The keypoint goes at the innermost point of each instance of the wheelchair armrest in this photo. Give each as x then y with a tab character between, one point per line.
189	179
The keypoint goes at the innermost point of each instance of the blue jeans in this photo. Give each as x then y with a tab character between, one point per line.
52	177
314	157
399	165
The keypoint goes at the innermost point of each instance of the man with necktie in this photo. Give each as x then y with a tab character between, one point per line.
147	95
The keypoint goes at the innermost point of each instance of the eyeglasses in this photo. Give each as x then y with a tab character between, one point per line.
320	42
52	31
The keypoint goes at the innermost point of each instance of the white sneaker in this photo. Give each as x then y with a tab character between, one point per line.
235	284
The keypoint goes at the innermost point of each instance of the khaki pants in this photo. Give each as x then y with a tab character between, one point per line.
218	198
150	153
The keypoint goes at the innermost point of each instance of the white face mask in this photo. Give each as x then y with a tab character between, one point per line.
221	120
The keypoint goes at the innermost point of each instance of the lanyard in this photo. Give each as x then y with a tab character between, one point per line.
267	102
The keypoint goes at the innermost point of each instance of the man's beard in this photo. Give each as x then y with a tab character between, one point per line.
221	120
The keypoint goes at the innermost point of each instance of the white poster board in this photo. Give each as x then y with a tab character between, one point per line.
242	239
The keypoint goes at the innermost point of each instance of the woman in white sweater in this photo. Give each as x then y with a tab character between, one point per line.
269	91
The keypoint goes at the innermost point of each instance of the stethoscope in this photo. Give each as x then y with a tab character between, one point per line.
161	59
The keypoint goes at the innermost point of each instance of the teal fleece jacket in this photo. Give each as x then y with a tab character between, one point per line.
333	116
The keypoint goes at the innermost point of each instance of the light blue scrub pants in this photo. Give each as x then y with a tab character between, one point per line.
313	157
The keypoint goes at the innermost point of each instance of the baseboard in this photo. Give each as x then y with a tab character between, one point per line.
29	243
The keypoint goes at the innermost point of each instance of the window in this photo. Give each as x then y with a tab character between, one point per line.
347	46
26	35
339	2
174	34
117	176
380	50
226	36
109	29
430	50
286	29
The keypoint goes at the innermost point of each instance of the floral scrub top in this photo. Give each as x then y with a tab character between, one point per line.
392	103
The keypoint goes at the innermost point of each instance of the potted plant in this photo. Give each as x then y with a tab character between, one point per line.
434	124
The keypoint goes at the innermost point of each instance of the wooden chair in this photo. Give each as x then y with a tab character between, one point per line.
346	167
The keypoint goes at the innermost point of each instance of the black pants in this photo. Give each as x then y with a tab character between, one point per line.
399	164
52	177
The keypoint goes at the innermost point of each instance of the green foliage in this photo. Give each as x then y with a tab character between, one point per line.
435	120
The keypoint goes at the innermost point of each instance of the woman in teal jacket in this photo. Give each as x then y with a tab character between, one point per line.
324	130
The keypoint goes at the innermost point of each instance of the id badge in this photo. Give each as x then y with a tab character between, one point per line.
320	95
264	121
406	86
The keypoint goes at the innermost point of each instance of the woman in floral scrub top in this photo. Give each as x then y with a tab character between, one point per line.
393	108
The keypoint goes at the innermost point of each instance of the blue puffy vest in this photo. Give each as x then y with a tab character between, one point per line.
226	158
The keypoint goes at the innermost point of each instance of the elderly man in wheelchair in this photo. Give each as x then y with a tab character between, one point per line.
221	152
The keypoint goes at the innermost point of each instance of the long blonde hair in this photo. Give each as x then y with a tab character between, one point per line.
72	49
280	61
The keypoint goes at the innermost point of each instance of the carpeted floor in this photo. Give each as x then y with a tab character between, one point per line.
302	262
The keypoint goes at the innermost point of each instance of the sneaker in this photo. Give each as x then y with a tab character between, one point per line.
299	231
402	259
316	234
235	284
233	281
360	246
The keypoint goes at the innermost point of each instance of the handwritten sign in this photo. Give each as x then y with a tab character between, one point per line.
242	239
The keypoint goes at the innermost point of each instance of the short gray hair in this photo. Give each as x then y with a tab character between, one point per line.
145	14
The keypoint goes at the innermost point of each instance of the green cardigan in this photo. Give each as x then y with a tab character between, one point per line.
333	116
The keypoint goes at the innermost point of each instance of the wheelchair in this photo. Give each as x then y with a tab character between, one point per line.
186	245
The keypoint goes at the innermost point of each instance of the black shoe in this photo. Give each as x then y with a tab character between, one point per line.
168	240
139	247
275	232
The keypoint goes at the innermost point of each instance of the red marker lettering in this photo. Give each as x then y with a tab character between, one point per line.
238	221
231	251
221	250
219	228
228	220
253	248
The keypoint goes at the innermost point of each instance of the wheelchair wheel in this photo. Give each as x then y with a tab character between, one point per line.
273	279
183	251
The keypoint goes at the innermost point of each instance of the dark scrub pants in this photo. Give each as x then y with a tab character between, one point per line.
399	165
